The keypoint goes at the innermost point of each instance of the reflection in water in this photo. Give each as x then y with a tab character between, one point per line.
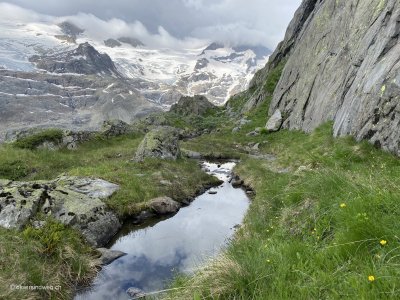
177	244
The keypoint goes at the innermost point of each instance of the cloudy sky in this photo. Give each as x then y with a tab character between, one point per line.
229	21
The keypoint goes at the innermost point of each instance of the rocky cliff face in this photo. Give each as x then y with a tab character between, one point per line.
342	64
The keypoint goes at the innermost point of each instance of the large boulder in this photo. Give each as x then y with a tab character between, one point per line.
161	142
275	121
197	105
164	205
70	200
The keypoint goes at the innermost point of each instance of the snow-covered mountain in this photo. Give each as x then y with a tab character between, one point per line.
161	75
54	74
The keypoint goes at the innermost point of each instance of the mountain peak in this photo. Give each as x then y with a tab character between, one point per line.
85	59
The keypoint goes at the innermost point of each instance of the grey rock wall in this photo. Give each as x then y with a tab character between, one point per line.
343	65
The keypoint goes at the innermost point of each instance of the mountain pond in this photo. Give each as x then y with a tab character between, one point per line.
159	249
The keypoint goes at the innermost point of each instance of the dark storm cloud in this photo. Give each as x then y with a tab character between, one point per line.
231	21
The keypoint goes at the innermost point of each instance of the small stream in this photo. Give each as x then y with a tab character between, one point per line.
159	249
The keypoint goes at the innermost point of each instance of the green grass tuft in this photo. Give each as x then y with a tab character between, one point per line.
34	140
314	232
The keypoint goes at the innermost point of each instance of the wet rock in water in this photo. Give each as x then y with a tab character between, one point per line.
212	192
237	182
142	216
162	142
135	293
275	121
164	205
108	256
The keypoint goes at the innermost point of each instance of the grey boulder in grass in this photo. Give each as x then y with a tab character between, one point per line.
161	142
73	201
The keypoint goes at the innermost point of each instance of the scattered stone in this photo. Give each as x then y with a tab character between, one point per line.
191	154
256	146
236	129
165	182
244	121
135	293
164	205
275	121
38	224
252	133
113	128
302	169
283	171
162	142
212	192
107	256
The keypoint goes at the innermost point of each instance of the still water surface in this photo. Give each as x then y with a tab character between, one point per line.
157	250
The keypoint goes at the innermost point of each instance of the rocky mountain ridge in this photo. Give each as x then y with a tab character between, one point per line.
85	59
69	101
161	75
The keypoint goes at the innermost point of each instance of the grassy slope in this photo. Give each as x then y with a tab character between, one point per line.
25	257
111	160
314	232
51	256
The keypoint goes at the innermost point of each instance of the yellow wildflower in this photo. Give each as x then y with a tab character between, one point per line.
383	242
371	278
342	205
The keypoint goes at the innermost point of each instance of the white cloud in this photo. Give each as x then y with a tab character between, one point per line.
114	28
12	12
172	22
